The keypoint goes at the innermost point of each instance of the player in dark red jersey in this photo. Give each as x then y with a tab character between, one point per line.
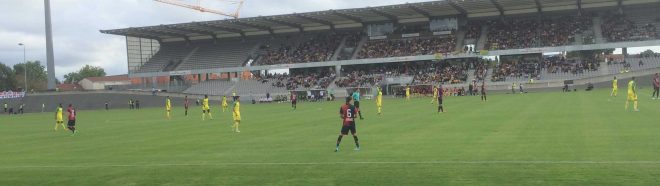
294	100
185	104
72	119
347	114
441	93
483	91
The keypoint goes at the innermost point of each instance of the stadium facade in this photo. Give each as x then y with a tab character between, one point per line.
218	57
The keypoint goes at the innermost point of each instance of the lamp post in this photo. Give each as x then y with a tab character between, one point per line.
24	67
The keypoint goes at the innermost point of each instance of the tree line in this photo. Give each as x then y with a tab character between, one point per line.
13	78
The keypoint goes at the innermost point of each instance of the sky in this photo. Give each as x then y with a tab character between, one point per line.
76	25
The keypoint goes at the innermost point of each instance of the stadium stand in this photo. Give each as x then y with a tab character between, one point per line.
211	87
224	54
512	34
169	54
400	52
314	48
407	47
301	81
635	25
350	46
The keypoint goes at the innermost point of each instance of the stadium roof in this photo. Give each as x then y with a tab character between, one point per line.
346	18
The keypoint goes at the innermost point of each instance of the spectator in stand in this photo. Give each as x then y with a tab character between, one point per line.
407	47
473	30
512	34
617	27
316	49
302	80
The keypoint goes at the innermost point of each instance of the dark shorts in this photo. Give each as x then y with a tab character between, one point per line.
657	88
72	123
346	128
294	102
357	104
439	100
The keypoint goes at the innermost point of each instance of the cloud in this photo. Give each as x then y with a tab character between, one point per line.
76	25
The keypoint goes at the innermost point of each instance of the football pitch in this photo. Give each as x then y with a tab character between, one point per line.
578	138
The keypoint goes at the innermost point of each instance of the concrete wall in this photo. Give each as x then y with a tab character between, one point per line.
89	85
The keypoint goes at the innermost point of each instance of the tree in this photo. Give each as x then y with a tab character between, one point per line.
7	80
91	71
36	75
72	77
647	53
84	72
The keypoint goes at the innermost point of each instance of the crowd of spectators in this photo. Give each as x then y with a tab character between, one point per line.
617	27
531	68
519	68
407	47
318	48
359	79
511	34
561	31
302	80
550	31
473	30
423	73
559	64
445	72
351	42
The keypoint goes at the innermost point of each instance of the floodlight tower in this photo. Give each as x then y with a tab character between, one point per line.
50	61
197	6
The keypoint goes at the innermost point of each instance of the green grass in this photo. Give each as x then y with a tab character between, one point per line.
540	138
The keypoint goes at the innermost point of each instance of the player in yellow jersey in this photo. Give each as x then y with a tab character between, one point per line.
168	107
407	93
632	94
236	114
206	109
224	103
435	94
59	119
615	87
379	100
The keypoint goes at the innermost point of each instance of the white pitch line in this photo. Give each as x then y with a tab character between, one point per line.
326	163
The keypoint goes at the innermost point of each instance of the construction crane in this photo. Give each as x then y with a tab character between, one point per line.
197	6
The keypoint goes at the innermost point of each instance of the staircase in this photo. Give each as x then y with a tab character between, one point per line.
255	49
481	42
359	46
598	31
579	39
175	65
460	37
228	90
339	49
332	85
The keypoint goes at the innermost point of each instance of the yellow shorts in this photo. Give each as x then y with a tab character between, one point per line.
59	120
632	97
205	108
